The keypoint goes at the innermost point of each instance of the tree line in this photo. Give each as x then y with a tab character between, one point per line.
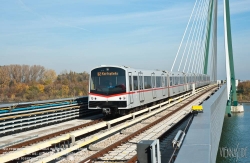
20	83
243	91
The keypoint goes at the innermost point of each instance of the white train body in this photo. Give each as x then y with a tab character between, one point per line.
119	89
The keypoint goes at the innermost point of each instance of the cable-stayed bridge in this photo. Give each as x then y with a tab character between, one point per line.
197	54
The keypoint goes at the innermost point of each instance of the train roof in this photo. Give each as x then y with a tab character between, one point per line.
155	70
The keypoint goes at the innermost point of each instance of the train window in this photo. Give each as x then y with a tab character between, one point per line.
93	83
147	82
135	80
171	81
158	81
166	81
108	81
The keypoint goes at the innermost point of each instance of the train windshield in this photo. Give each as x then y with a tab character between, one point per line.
108	81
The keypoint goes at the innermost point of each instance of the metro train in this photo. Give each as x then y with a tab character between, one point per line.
119	90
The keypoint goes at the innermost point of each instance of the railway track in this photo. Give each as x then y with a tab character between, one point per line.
120	130
125	149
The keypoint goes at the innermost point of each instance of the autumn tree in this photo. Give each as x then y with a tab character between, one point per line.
49	76
4	76
29	83
243	91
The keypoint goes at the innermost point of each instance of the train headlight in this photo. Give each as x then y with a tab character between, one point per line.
91	98
124	97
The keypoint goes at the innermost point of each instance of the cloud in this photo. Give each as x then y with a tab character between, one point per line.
44	17
174	13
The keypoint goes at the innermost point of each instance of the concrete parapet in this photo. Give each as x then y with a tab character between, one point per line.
203	137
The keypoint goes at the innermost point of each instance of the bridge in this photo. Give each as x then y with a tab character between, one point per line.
202	140
197	53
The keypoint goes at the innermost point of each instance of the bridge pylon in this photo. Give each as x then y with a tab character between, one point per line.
231	86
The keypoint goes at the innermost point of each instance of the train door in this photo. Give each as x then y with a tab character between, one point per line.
178	84
185	78
131	98
140	86
153	84
163	84
168	84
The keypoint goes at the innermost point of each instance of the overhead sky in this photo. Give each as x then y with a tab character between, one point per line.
81	34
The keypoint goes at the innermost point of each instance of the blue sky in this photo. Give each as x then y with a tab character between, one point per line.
79	35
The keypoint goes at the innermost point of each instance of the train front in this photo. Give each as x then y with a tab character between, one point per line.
107	90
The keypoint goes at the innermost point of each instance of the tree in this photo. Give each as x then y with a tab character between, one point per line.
29	83
36	73
49	77
25	73
4	76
